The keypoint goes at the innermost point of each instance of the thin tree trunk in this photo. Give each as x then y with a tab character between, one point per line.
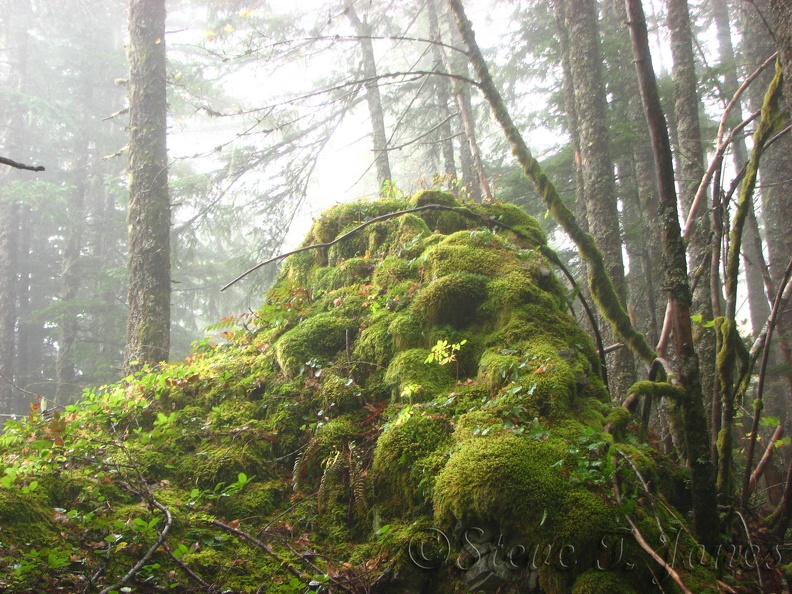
373	98
443	94
148	217
690	157
705	512
458	65
70	283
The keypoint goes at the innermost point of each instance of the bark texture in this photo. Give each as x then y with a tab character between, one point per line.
148	218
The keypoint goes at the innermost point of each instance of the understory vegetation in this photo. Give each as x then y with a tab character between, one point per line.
413	408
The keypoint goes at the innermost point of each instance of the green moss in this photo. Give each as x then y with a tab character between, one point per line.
375	345
411	230
259	499
513	481
393	270
409	453
338	395
451	299
406	332
349	272
618	419
320	337
222	463
26	519
410	369
507	436
595	581
424	197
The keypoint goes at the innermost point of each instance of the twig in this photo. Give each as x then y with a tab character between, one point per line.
116	114
765	460
642	541
750	546
150	552
722	145
771	323
194	576
17	165
290	568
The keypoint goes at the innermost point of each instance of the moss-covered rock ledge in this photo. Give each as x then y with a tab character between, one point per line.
413	409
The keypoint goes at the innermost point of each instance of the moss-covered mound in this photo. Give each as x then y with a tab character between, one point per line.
413	409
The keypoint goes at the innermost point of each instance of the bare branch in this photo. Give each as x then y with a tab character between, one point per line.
16	165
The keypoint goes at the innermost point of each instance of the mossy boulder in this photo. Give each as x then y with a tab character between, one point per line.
420	381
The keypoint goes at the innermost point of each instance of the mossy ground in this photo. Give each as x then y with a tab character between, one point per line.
325	427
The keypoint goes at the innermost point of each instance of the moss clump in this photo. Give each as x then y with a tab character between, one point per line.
375	344
419	381
26	519
320	337
529	482
595	581
451	299
393	270
406	332
409	452
349	272
425	197
355	443
338	395
410	231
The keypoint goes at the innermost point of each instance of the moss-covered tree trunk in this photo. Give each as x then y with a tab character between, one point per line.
599	191
690	157
691	408
781	11
148	217
373	98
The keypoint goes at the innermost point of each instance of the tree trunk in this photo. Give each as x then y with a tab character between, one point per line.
705	512
379	138
690	156
15	26
781	11
776	201
444	96
599	192
456	64
148	217
70	282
